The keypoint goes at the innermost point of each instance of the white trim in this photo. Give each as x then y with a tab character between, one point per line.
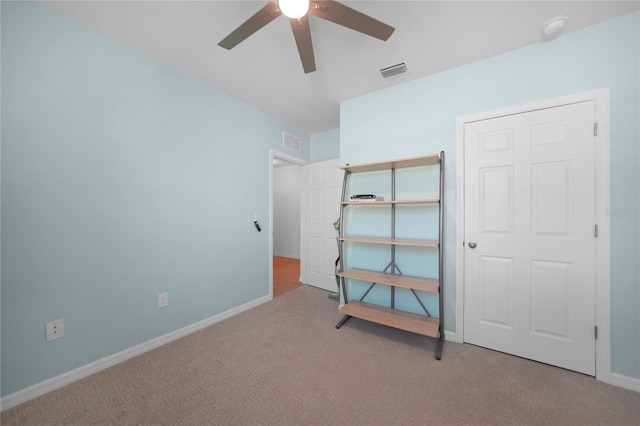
300	162
602	190
603	242
625	382
450	336
64	379
460	122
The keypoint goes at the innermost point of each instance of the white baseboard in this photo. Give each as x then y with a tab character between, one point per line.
614	379
64	379
449	336
625	382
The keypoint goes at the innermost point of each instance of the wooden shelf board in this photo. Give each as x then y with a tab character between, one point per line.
391	241
404	281
370	203
420	324
403	163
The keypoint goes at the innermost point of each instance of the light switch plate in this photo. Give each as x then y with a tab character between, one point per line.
163	300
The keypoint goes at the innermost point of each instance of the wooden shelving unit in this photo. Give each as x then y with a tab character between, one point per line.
404	163
424	201
396	280
391	241
420	324
425	324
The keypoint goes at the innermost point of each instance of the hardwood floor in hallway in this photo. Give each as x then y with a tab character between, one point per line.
286	275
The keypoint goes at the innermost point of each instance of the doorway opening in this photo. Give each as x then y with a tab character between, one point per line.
285	177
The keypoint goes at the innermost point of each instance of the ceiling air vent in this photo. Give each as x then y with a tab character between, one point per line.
290	141
396	69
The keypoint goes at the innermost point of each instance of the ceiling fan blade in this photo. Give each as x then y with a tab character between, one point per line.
251	25
302	34
350	18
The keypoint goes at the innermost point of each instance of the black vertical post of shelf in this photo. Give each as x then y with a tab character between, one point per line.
341	233
393	234
441	261
343	284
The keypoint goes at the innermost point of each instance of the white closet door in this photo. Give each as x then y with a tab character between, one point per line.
529	234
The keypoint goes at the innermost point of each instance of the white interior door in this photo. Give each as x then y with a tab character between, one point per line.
529	286
321	197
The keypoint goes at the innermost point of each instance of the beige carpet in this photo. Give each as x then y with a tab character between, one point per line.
284	363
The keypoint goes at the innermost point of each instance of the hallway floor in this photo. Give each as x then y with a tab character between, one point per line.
286	275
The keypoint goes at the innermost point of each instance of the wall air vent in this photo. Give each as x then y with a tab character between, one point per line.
396	69
290	141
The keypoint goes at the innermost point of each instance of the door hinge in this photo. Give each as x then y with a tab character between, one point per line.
595	129
595	332
595	230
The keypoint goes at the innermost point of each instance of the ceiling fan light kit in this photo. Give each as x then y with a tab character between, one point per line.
299	18
294	9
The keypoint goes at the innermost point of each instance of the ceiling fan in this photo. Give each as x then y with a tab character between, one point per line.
298	12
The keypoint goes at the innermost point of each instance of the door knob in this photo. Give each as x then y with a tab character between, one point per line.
472	244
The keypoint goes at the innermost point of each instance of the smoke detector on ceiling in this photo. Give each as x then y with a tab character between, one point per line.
553	26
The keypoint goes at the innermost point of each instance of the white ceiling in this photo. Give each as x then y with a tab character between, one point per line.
265	70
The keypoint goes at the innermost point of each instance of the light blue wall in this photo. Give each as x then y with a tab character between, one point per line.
325	146
419	117
121	179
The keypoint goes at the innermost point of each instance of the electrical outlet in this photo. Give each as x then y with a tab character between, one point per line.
163	300
55	329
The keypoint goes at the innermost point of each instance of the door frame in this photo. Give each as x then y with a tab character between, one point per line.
602	203
275	155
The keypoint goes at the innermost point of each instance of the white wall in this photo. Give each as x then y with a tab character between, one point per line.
325	146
